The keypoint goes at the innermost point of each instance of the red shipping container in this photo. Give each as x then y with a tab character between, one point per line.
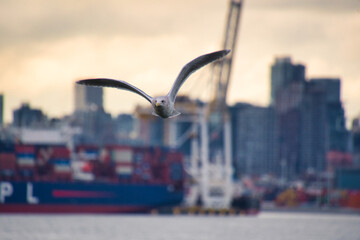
154	154
60	152
7	161
45	153
173	157
24	149
63	176
353	199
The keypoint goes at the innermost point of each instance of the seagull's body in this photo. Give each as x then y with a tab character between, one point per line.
164	105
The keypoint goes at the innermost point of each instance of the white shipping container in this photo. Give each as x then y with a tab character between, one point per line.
124	170
26	161
62	168
122	155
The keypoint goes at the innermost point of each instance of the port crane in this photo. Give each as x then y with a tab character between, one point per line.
214	173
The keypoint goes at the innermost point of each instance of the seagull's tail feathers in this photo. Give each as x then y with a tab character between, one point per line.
174	113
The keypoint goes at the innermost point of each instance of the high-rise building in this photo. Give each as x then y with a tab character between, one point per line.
287	105
355	132
337	138
302	117
26	116
97	125
313	127
87	98
283	72
310	118
1	109
125	127
337	133
253	139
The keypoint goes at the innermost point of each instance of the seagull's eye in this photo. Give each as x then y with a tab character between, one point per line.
162	101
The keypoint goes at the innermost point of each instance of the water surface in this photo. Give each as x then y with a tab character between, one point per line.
279	226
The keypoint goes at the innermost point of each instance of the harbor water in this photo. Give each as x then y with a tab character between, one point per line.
266	225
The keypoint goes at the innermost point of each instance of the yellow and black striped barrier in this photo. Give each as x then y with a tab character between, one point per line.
200	211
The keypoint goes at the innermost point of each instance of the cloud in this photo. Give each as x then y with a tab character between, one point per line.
43	20
50	44
318	5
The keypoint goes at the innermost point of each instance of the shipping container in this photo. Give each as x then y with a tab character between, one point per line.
7	165
347	178
7	147
25	161
87	152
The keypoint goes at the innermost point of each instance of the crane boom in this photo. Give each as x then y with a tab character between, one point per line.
222	69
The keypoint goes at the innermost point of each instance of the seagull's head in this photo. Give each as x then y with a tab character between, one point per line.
160	102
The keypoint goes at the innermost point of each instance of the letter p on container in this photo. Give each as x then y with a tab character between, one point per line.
6	190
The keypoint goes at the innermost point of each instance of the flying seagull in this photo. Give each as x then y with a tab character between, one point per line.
164	105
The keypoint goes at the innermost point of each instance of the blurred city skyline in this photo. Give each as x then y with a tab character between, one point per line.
46	46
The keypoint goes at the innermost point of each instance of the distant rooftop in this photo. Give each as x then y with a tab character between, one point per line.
284	59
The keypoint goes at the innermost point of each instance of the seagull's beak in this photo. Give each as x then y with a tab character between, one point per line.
157	104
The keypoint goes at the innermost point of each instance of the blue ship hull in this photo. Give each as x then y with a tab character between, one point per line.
82	197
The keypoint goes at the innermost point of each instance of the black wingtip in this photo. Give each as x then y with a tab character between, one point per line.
226	52
223	53
84	82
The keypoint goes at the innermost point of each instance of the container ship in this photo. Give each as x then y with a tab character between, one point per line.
88	178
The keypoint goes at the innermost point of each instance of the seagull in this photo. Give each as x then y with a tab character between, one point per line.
163	106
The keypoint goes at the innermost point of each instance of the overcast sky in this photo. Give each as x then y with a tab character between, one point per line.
45	46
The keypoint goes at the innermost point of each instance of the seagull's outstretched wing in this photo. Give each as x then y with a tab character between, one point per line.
106	82
192	67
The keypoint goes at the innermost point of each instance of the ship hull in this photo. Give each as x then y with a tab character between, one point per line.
78	197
